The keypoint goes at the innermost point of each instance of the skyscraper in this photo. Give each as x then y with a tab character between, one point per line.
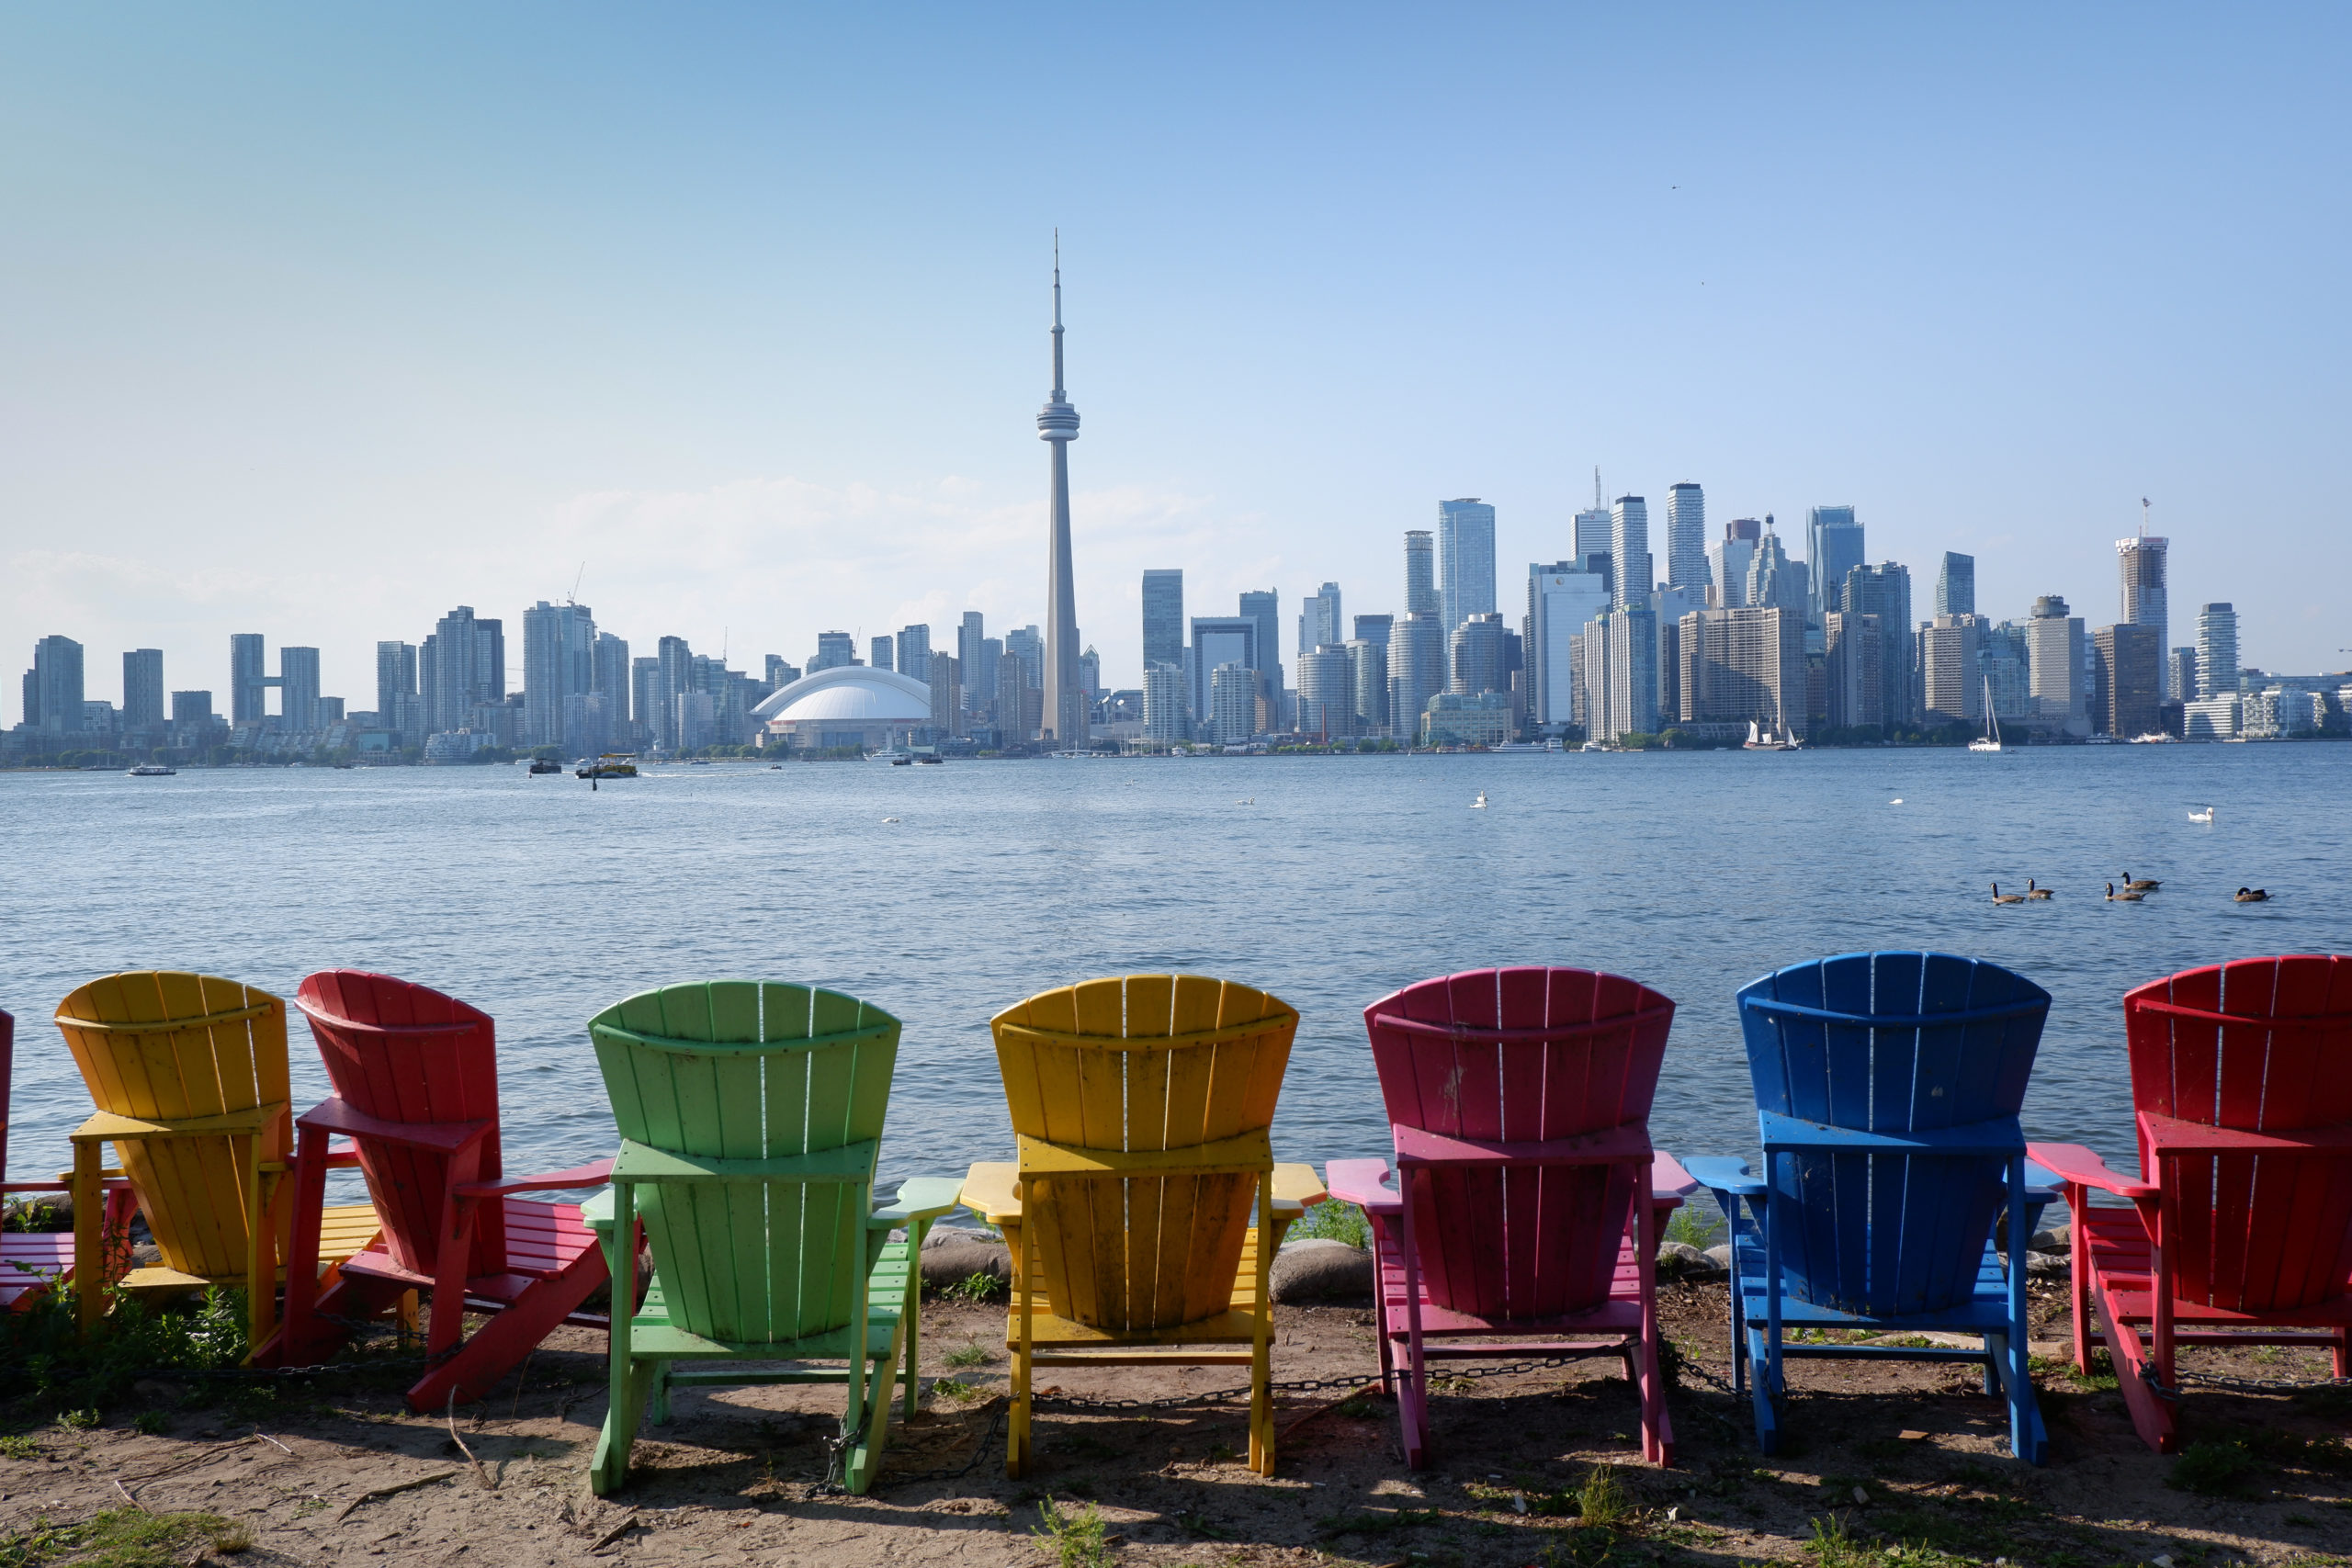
459	667
2127	690
1420	573
914	652
1327	693
1686	538
674	678
2058	690
1561	598
1742	667
559	661
1233	702
882	651
1465	558
142	689
1163	622
1319	622
1368	666
1219	639
1774	581
298	681
2217	651
2180	674
835	650
53	687
1854	668
248	679
1477	656
1833	546
1065	705
1164	703
1728	558
1416	672
1956	585
1629	553
2142	563
1885	590
1951	681
1265	607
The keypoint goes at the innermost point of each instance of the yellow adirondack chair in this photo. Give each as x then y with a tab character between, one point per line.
189	1076
1143	1106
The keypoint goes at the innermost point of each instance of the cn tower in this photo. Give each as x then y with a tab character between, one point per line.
1064	719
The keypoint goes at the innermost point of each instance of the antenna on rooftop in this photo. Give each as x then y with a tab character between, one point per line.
2143	517
1596	487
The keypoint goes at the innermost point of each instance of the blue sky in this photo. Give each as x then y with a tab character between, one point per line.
318	320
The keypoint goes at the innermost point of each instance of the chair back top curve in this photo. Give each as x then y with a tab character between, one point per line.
2259	1046
1890	1043
1142	1063
1520	1055
753	1070
401	1051
165	1045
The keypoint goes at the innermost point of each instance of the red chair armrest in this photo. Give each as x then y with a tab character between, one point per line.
1358	1181
1670	1183
336	1115
2074	1164
2170	1135
595	1173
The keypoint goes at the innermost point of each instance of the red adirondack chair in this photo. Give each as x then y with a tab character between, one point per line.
1528	1199
416	1076
31	1261
2240	1224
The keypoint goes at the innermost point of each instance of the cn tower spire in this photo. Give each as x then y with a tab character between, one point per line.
1064	721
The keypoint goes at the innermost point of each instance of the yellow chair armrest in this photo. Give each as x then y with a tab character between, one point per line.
106	1126
1298	1184
991	1189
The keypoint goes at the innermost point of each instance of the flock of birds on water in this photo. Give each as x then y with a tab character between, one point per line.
2135	888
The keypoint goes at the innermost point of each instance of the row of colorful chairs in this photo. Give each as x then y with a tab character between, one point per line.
1520	1215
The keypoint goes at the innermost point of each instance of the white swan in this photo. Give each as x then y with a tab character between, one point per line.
1479	804
2204	815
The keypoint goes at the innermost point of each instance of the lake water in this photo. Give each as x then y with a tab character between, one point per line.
1327	881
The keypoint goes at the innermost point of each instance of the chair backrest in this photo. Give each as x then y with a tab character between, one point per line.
2251	1233
1142	1063
402	1052
1520	1055
1889	1043
743	1070
7	1070
158	1045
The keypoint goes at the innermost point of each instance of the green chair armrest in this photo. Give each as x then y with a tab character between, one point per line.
597	1211
920	1198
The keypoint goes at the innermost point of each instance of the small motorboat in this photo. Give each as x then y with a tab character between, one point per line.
151	771
899	762
934	762
545	765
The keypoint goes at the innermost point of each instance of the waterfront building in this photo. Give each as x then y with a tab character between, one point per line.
946	693
191	710
2127	685
693	725
971	634
53	689
882	653
2180	674
645	701
1420	573
849	704
587	724
1090	675
2217	651
1368	669
1166	704
1854	668
1265	607
2210	718
1956	585
2002	658
1743	666
1728	562
609	680
1327	693
1010	689
1833	546
400	707
1885	590
1320	625
1561	598
1465	556
1477	656
835	650
1631	636
2140	563
559	663
1464	719
1026	647
1951	677
1668	605
1163	619
143	690
1233	702
1064	702
1417	671
1686	540
459	667
1593	676
1219	639
2060	696
1629	551
298	696
249	680
914	653
1773	580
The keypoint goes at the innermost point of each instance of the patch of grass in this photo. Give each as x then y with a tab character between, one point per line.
975	1287
956	1389
1692	1227
123	1537
43	1353
2213	1470
1832	1547
1333	1221
1603	1499
1073	1538
77	1420
19	1445
150	1422
971	1355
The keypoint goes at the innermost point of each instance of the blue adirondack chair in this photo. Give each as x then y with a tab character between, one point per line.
1887	1090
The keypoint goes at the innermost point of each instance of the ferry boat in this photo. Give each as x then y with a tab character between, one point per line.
151	771
545	765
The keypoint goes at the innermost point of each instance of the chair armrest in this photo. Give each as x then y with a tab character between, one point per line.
1246	1152
1609	1145
2000	1136
334	1114
596	1214
8	1186
595	1173
2079	1167
1669	1182
105	1126
1364	1183
1728	1177
1296	1184
919	1198
2171	1135
340	1156
992	1190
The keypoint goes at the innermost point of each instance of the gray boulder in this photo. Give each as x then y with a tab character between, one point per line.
1680	1260
1317	1269
951	1257
1721	1258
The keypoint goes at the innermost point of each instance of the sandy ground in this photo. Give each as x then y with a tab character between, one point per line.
735	1477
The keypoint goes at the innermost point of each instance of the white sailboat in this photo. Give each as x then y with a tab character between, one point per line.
1990	740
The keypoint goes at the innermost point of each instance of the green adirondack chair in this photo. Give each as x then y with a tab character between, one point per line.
751	1116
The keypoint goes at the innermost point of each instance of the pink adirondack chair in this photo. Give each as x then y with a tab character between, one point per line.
2241	1222
33	1261
1528	1199
416	1075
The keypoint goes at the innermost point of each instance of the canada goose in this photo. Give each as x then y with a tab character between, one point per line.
2204	815
887	820
2001	898
2033	891
2252	895
2124	897
2141	885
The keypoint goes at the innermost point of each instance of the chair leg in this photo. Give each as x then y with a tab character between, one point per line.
1262	1348
632	1380
89	1235
1016	1431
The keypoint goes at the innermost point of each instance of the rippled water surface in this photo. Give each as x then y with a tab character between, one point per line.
1329	881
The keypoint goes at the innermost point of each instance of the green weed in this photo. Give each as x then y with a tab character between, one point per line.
77	1420
1603	1499
2213	1470
19	1445
1332	1220
975	1287
970	1355
123	1537
44	1354
956	1389
150	1422
1073	1538
1692	1227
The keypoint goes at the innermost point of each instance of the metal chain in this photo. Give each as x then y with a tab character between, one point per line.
2230	1381
1288	1386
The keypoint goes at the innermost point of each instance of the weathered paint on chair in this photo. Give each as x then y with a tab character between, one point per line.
1888	1086
1528	1197
1142	1105
750	1118
415	1079
2241	1222
188	1073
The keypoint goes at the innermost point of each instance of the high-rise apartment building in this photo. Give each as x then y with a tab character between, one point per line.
616	711
249	681
1728	560
835	650
1686	539
2180	674
1952	684
1368	667
1956	585
1233	703
143	690
1478	655
674	677
1219	639
461	666
2058	689
2126	688
1743	666
298	681
1320	625
54	688
2140	562
914	652
2217	651
191	711
1833	546
970	632
1327	693
1629	551
1417	670
882	652
1561	598
2001	660
946	695
1465	558
559	663
1163	622
1265	607
1632	637
1420	573
1166	708
1885	590
1854	668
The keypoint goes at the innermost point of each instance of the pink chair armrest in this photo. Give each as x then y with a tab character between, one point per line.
1359	1181
2074	1164
595	1173
1669	1181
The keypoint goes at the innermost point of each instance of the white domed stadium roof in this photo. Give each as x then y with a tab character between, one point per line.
850	694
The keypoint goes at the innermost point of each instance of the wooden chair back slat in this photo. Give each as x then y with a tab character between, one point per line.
405	1053
751	1070
229	1054
2250	1233
1856	1042
1517	1054
1142	1063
